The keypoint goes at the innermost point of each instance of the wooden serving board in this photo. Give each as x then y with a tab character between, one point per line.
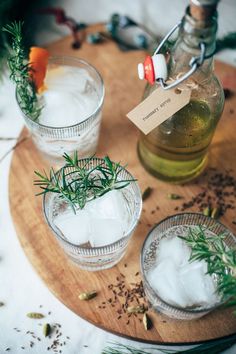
119	140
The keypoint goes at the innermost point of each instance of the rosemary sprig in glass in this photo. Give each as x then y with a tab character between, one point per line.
77	184
220	259
20	72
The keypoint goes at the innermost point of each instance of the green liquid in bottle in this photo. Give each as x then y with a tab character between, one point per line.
176	151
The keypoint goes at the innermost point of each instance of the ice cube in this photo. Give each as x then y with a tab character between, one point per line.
111	205
165	282
64	109
199	286
67	78
65	101
105	231
175	249
76	228
103	221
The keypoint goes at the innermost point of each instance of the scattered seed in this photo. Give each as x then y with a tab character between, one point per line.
147	322
174	196
46	329
215	213
228	93
136	309
207	211
35	315
1	304
87	295
146	194
7	349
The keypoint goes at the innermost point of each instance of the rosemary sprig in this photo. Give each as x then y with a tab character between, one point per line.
77	184
20	72
220	259
206	348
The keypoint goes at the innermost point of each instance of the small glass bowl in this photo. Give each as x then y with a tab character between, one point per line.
149	256
96	258
53	142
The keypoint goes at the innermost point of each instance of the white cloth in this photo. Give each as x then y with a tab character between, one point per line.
21	289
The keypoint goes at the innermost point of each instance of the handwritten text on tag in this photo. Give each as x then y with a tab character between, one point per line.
158	107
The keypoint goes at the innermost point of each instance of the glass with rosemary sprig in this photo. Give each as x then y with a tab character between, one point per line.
60	98
92	207
70	114
195	256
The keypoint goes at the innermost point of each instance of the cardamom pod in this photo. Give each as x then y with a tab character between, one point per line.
147	192
173	196
215	213
136	309
147	322
207	211
36	315
88	295
1	304
46	329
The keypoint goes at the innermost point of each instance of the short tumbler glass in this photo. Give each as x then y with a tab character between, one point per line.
96	258
149	255
82	137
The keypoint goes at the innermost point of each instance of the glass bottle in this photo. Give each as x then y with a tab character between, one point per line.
176	151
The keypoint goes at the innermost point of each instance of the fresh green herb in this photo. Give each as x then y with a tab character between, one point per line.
77	183
20	72
228	41
221	260
146	194
215	347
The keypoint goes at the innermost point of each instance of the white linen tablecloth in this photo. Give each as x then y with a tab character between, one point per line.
21	289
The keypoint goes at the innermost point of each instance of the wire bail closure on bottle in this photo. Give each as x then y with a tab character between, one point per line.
194	63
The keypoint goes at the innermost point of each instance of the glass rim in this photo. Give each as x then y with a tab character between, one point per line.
174	307
84	62
129	231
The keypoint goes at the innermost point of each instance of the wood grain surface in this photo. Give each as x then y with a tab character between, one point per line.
118	139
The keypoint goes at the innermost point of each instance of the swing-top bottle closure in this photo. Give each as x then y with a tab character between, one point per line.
154	69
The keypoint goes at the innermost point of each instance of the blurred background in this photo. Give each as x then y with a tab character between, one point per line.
157	15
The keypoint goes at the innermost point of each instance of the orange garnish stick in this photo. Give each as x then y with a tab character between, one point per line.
38	59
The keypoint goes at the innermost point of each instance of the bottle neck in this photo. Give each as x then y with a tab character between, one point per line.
193	32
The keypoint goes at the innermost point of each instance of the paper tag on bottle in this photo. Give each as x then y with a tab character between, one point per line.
158	107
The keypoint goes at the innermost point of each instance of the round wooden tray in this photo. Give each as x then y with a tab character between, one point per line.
119	139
